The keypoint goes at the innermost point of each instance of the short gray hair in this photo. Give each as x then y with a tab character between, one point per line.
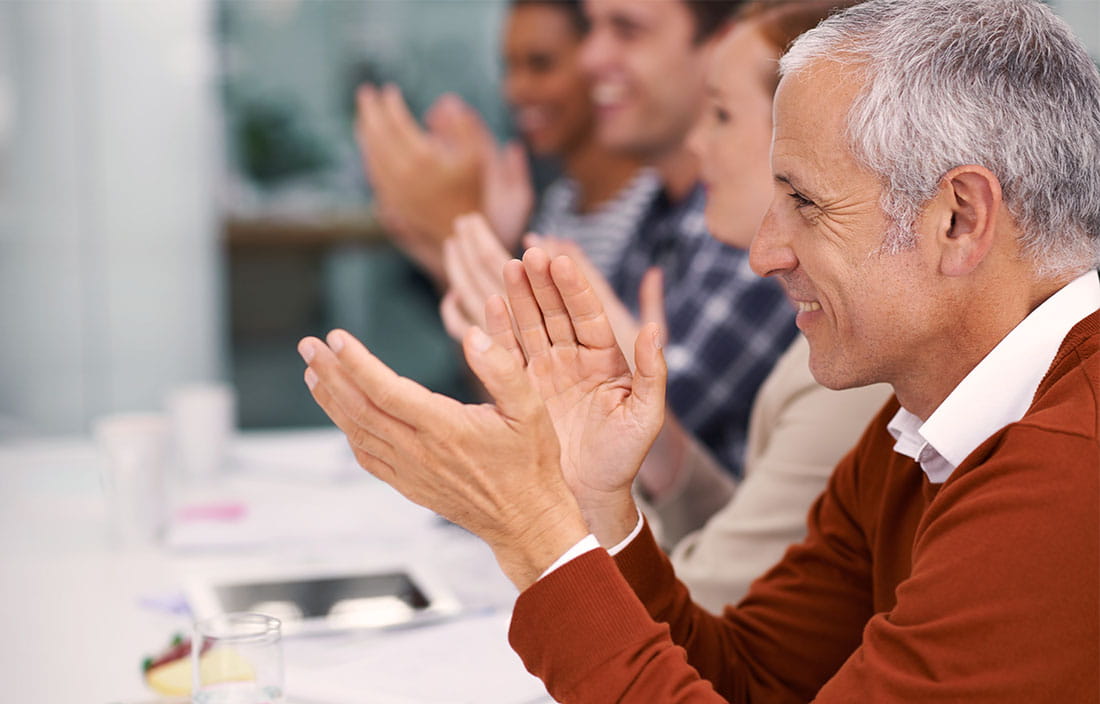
1002	84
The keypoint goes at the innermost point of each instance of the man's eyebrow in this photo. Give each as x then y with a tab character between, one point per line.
625	22
792	182
784	178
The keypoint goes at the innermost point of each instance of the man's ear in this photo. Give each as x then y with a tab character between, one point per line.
969	202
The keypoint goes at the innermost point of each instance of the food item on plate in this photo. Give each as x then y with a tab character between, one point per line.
169	673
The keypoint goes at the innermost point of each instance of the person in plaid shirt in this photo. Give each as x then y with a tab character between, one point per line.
726	326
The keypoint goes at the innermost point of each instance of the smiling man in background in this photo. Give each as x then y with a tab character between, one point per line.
726	326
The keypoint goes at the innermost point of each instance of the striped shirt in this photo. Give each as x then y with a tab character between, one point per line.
727	326
604	232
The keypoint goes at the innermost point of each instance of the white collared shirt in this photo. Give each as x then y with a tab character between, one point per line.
1000	389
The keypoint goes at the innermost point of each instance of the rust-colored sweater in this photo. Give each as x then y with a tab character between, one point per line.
983	589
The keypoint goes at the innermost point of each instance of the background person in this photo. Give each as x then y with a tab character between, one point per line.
726	326
799	429
601	194
425	177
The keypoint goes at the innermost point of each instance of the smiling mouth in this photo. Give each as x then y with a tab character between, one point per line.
807	306
608	93
531	119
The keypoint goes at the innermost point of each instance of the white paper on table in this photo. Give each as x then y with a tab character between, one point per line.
465	661
279	513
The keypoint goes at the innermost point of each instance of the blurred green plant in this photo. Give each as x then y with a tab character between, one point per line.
274	145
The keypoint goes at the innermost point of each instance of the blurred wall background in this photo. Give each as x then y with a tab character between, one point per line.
110	285
181	198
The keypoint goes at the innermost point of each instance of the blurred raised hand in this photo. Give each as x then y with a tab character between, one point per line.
473	259
508	195
421	179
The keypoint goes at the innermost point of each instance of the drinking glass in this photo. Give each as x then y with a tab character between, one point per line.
237	658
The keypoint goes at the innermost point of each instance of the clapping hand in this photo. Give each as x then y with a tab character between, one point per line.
606	416
626	327
422	179
493	469
507	193
473	259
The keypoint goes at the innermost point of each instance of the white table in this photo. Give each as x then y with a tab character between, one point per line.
79	613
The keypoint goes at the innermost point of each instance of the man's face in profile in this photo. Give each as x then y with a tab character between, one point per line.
866	313
648	73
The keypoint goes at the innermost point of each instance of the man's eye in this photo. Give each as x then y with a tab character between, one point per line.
800	201
541	63
721	115
625	29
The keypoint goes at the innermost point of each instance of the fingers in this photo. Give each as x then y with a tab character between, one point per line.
585	311
388	134
464	127
439	113
651	300
514	163
466	297
482	254
483	244
651	374
368	448
498	324
369	429
502	376
454	320
473	260
398	125
396	397
364	110
525	311
555	316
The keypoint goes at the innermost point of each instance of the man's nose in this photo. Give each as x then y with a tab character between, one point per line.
595	51
770	253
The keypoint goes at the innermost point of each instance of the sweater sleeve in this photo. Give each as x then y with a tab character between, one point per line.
585	634
1003	603
597	634
797	624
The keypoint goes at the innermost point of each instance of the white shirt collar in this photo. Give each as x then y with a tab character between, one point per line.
1000	389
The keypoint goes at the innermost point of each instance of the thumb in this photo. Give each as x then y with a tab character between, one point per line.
651	300
647	396
469	129
502	375
439	113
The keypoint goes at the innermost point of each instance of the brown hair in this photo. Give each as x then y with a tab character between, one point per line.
571	8
711	16
780	22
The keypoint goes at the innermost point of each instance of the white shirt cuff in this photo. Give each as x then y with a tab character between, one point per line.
589	543
615	550
586	544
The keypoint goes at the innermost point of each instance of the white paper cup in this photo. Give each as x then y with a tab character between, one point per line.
203	421
134	447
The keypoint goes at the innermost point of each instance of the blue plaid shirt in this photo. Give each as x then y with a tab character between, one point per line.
727	326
